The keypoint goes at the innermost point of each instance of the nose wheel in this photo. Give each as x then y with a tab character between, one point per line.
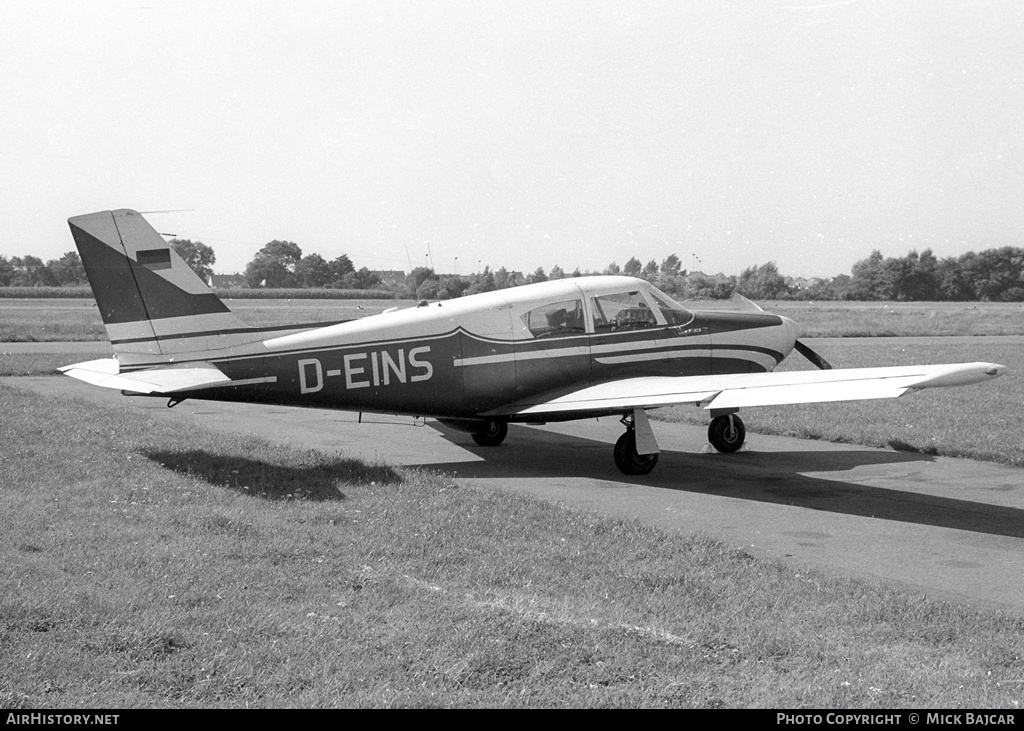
726	433
627	458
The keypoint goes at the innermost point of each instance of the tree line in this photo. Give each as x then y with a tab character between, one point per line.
992	275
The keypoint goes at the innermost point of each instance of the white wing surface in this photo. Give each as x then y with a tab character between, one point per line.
738	390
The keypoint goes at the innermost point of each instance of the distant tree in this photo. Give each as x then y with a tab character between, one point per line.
762	282
923	279
287	252
613	268
482	282
650	270
313	271
340	267
6	272
197	255
700	286
998	274
363	279
418	276
892	281
451	287
671	266
265	272
833	288
867	277
427	290
538	276
30	271
68	270
633	267
274	265
556	273
954	278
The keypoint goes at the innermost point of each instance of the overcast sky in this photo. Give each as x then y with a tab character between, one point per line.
518	133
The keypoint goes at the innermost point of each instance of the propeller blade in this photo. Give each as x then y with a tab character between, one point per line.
810	355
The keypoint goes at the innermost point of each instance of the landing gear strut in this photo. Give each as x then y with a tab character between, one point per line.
627	459
726	433
492	434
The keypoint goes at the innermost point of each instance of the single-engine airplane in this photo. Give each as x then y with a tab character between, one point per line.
553	351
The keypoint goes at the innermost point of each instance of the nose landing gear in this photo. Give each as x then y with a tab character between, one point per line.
636	451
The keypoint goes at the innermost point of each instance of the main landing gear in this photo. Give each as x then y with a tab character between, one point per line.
491	434
726	433
628	457
636	451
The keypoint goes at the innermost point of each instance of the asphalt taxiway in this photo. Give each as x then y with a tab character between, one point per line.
944	527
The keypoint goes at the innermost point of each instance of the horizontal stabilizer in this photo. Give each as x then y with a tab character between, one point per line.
174	379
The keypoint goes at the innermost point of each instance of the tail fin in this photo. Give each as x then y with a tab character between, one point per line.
153	305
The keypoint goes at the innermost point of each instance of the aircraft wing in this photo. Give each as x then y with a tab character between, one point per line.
165	379
738	390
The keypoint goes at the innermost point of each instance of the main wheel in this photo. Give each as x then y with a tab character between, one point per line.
628	461
726	433
492	434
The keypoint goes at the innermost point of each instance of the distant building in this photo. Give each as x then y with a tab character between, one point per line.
226	281
390	277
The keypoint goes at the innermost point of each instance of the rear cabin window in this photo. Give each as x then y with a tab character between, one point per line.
557	319
622	311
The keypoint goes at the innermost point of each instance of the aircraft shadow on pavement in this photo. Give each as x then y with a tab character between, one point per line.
767	477
270	481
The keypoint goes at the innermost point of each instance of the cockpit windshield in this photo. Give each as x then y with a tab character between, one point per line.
622	311
675	314
637	309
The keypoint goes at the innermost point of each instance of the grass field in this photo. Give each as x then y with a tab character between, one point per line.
26	320
147	563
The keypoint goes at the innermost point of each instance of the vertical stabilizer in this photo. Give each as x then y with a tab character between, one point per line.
153	305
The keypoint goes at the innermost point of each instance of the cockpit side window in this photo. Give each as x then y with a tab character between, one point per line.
557	319
622	311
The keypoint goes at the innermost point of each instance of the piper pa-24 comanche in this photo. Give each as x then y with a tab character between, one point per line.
552	351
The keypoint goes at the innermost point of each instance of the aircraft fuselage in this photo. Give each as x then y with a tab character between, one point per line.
462	358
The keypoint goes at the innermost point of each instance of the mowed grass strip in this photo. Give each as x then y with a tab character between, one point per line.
49	320
38	364
55	319
150	564
895	319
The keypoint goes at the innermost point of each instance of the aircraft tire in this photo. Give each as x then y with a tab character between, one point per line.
726	433
492	434
627	459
